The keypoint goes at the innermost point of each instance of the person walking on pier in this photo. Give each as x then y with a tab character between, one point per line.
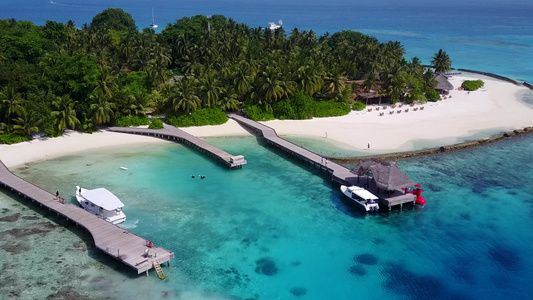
57	195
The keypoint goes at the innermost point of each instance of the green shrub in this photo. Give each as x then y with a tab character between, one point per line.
257	114
331	108
156	124
472	85
303	105
283	110
126	121
432	95
12	138
358	105
201	117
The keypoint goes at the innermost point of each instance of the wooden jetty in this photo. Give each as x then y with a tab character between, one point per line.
339	174
176	134
128	248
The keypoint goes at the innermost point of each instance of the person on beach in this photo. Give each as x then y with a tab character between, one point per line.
326	134
368	145
57	194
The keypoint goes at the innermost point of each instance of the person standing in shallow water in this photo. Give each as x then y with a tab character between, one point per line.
368	145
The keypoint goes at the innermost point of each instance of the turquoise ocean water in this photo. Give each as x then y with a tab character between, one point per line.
276	229
490	35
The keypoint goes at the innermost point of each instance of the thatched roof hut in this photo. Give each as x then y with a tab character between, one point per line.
443	85
386	174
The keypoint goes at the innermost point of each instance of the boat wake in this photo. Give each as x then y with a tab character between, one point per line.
130	224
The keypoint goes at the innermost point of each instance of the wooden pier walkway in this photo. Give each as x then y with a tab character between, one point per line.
172	133
339	174
117	242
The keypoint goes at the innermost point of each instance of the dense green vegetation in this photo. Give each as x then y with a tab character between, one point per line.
156	124
472	85
200	117
58	76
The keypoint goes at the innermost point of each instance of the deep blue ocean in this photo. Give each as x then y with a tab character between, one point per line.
492	36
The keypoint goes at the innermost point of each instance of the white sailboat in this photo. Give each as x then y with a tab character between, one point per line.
153	25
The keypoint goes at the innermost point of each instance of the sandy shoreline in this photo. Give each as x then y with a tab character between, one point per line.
497	107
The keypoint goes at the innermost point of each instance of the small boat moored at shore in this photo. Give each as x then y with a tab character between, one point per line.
101	203
361	197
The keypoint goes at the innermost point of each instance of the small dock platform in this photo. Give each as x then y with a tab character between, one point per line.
175	134
128	248
338	173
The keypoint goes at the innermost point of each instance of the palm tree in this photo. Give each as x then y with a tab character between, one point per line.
441	61
369	83
11	103
380	93
270	86
210	88
308	80
334	82
106	83
102	110
229	100
186	98
27	123
65	114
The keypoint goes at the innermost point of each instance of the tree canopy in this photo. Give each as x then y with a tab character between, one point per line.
113	19
110	73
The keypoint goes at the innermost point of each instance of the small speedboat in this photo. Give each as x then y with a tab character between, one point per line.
361	197
102	203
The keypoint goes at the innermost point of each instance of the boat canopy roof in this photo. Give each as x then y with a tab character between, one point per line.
103	198
361	192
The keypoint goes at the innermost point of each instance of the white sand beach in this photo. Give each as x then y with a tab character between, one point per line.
71	142
494	108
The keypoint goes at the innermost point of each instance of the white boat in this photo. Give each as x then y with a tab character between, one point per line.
101	203
361	197
274	26
153	25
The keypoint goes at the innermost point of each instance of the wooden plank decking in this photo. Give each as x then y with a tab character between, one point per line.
117	242
176	134
339	174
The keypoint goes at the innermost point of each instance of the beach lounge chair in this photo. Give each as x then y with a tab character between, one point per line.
422	108
391	112
381	113
415	109
407	110
399	111
400	105
377	108
393	106
384	107
370	109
